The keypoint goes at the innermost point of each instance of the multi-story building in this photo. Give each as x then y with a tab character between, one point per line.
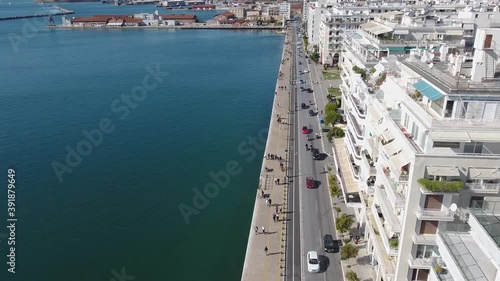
285	10
420	162
239	12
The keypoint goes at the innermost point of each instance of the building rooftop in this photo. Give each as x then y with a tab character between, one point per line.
439	75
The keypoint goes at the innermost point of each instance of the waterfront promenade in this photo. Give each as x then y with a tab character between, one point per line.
259	265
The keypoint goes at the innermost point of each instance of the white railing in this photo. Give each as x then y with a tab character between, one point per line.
435	214
484	187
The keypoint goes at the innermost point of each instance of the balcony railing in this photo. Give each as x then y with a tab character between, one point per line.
484	187
357	129
434	214
392	193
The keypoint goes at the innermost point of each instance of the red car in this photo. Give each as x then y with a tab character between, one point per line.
305	130
309	182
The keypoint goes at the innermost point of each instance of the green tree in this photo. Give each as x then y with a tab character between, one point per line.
330	107
315	56
343	223
330	97
352	276
348	251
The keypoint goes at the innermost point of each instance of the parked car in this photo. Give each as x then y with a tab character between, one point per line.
311	112
306	70
330	244
312	261
309	182
309	90
305	130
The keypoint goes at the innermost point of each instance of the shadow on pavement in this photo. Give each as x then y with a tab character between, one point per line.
324	263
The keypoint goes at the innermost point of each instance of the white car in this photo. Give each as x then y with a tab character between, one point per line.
312	262
306	70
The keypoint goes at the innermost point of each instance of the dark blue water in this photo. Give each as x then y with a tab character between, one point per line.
119	207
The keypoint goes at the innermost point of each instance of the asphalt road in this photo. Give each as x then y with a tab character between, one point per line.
312	206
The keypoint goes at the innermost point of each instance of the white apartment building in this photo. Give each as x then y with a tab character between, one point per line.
285	10
420	161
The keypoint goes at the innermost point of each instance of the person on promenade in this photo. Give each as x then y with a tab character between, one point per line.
276	209
265	250
263	230
274	217
270	202
256	228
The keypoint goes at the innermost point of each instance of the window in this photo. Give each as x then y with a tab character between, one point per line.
446	144
473	147
414	130
407	119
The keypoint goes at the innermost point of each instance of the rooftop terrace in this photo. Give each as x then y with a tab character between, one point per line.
442	78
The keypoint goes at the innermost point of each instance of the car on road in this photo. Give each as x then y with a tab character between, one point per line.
305	130
311	112
302	81
316	154
330	244
309	90
306	70
303	105
309	182
300	63
312	261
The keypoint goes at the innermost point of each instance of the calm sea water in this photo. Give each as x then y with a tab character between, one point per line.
119	207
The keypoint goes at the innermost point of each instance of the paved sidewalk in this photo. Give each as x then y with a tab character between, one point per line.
259	265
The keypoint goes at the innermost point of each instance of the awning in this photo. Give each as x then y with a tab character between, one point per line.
455	32
445	171
387	134
427	90
392	148
374	113
485	136
451	136
401	31
484	173
376	28
401	159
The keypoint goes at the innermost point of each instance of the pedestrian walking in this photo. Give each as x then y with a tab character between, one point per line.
274	217
265	250
279	179
276	209
262	193
263	230
270	202
256	228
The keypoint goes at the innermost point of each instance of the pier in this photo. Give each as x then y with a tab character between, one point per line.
61	13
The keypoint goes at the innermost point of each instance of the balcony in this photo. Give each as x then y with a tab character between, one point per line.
424	239
354	149
396	198
422	263
484	187
463	255
398	166
387	210
354	124
387	264
368	165
380	222
435	214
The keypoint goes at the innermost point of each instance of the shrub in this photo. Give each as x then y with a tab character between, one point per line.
334	187
338	209
348	251
441	186
352	276
394	243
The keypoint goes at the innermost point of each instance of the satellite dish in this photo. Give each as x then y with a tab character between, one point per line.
453	207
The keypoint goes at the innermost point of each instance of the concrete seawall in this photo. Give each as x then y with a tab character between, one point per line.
259	265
